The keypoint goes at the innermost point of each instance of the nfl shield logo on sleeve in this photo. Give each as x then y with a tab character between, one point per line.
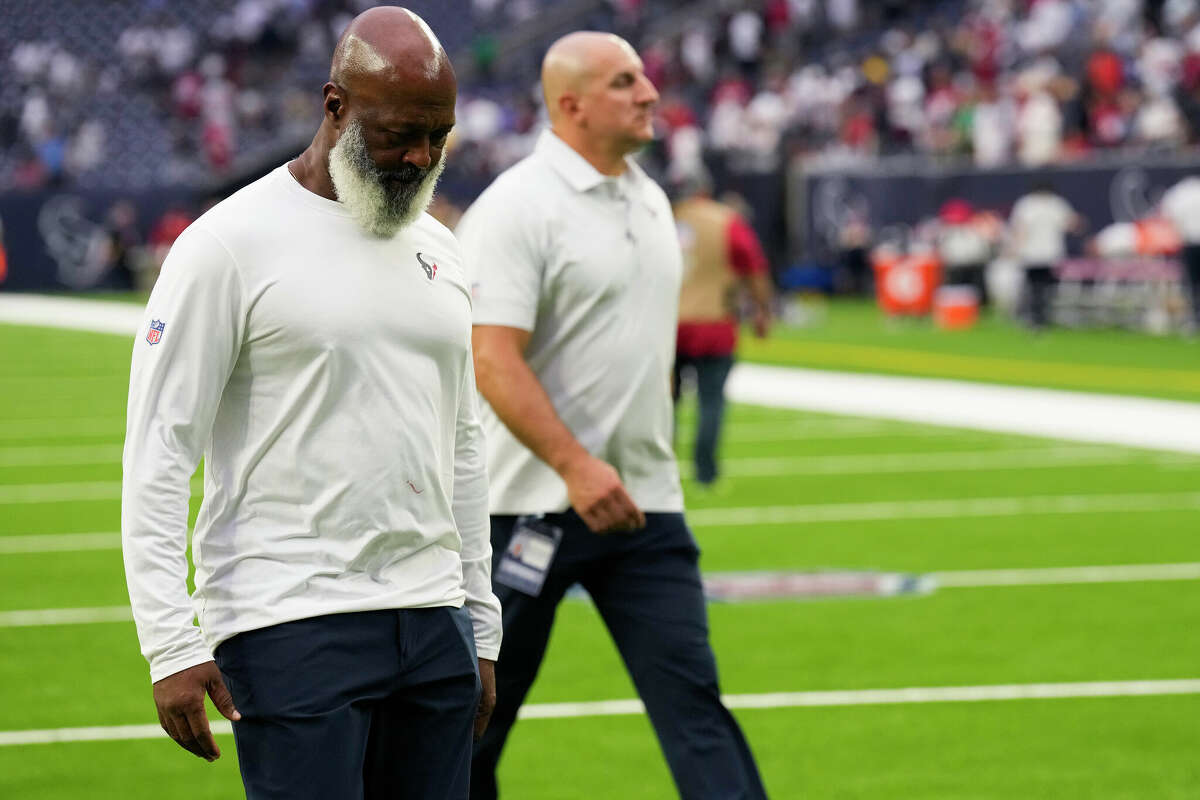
154	335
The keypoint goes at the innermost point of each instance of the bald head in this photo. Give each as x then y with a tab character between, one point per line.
387	42
577	59
598	97
389	109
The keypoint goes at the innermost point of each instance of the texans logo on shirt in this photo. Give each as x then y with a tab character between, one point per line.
154	335
430	269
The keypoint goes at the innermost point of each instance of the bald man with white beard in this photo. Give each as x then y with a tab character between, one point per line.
310	337
576	268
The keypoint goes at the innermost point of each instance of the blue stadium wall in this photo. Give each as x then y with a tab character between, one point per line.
890	196
50	236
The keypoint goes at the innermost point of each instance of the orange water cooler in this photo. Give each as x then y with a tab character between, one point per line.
956	307
905	284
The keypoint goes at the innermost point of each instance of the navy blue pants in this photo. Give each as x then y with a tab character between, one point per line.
374	704
1041	281
646	586
711	373
1191	266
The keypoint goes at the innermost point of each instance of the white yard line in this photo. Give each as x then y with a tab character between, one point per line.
59	542
64	426
610	708
956	460
1119	573
57	456
23	493
1077	416
26	493
769	430
970	578
938	509
808	430
64	616
79	455
862	697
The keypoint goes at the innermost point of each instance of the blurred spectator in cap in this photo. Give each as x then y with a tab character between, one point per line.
122	252
963	246
1039	128
993	126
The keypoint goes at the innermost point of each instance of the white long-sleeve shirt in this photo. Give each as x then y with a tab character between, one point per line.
326	378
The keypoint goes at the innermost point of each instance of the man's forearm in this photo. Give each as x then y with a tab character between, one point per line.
521	402
594	488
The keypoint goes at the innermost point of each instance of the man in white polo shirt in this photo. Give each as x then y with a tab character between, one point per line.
310	336
1181	205
1039	224
575	268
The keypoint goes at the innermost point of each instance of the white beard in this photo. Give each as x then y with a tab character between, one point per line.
358	183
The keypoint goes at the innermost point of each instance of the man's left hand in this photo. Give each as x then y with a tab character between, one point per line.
487	697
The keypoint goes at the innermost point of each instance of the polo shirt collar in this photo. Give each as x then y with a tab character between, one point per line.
574	168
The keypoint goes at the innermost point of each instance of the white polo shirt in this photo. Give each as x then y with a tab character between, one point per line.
326	377
1040	222
1181	205
591	265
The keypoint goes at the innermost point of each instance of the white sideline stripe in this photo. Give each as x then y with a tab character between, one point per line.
65	312
937	509
1122	573
610	708
879	463
65	455
59	542
67	492
64	616
1077	416
64	426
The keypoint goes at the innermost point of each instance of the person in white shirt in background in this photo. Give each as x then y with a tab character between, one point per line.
310	336
1181	206
576	271
1038	227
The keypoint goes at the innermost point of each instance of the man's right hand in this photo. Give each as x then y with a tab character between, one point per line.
180	702
595	491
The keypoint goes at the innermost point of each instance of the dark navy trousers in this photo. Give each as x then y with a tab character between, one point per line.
647	588
373	704
711	373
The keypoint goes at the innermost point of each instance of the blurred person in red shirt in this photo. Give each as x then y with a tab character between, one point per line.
722	259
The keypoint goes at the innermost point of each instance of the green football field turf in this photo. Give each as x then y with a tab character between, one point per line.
61	422
854	335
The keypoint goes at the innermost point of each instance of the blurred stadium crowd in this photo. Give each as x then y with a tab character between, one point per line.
203	96
158	92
